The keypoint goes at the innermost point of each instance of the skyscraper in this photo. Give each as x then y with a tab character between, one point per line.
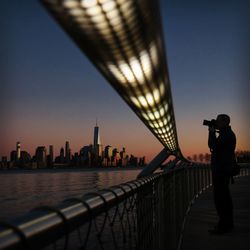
18	150
108	152
51	152
67	152
62	155
13	156
123	153
51	155
96	136
97	141
41	156
108	155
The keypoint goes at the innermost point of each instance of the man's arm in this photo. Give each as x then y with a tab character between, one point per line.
211	138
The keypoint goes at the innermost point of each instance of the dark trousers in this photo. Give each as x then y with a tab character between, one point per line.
223	200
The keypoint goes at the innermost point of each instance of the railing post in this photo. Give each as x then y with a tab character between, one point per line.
207	181
172	233
199	179
170	228
204	181
192	179
163	209
195	181
145	212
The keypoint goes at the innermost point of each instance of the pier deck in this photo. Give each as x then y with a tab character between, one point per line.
203	217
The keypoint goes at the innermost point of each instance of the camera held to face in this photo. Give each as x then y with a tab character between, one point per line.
211	123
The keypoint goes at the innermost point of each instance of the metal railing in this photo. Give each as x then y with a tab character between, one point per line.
147	213
143	214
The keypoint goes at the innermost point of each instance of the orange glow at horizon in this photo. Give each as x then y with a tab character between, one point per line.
139	143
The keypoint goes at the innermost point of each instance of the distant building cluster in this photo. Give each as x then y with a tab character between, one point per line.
93	155
203	158
241	157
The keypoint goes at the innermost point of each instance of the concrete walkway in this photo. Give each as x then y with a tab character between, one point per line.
203	217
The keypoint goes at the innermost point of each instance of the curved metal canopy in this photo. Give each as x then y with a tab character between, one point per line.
124	40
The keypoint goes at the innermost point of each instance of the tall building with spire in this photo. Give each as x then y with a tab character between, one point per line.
97	141
18	150
96	135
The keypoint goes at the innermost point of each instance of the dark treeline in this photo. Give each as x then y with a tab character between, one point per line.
241	157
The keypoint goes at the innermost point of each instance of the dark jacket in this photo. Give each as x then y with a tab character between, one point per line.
222	149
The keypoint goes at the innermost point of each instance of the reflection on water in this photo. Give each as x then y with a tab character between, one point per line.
20	191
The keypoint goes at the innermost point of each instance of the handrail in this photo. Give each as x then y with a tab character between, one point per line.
65	217
147	213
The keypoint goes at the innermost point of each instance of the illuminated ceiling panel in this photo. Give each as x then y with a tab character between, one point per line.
123	38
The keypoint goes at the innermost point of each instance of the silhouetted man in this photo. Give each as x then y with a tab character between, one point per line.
222	159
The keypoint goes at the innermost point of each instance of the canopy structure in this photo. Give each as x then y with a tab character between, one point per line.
124	40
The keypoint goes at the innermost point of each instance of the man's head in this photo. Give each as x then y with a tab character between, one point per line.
222	121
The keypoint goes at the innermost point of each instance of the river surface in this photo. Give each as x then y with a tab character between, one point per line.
22	190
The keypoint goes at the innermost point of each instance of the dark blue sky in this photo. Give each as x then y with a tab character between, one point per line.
50	92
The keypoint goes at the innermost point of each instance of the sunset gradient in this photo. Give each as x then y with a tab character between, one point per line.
51	93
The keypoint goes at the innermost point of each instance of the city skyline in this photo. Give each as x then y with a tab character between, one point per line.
51	90
91	155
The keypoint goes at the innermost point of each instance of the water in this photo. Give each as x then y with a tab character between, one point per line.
22	190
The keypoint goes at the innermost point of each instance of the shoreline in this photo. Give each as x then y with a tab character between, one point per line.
68	169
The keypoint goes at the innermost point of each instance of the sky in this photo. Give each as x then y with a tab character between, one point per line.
51	93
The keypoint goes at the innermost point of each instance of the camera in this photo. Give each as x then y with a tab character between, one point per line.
211	123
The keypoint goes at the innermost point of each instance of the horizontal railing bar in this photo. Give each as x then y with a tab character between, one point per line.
44	221
45	225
